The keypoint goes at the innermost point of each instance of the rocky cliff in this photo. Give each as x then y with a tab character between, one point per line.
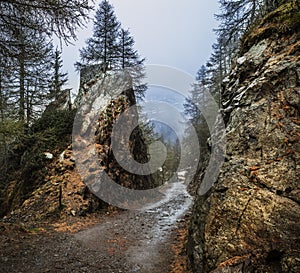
61	190
114	113
249	221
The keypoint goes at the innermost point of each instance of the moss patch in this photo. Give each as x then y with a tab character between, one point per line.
284	20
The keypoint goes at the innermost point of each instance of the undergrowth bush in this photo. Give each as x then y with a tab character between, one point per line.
27	162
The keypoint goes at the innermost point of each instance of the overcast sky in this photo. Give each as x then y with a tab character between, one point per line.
177	33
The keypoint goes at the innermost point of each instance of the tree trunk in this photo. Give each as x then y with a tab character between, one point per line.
60	205
1	99
123	50
105	54
22	87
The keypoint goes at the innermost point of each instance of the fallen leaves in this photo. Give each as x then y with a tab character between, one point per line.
254	168
234	261
118	244
180	263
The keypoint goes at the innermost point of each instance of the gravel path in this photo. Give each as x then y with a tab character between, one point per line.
129	241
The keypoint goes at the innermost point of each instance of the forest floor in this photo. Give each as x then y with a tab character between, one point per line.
120	241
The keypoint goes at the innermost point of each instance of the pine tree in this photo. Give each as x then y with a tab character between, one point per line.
202	75
192	108
196	99
102	48
130	60
5	80
112	48
62	18
59	79
129	57
238	16
30	68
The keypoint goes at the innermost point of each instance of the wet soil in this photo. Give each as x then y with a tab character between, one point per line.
126	241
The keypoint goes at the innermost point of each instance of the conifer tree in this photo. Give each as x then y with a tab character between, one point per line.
112	48
196	99
59	79
192	108
129	59
30	68
239	15
51	17
4	88
102	48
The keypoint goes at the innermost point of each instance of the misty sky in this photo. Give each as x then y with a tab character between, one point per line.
169	32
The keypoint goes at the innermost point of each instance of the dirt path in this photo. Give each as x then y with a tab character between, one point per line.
129	241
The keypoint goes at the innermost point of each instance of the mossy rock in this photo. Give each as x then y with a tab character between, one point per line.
285	20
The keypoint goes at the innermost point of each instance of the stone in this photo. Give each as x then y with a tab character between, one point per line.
48	155
73	212
249	220
240	61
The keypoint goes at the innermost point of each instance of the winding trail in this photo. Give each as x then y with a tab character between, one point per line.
142	240
129	241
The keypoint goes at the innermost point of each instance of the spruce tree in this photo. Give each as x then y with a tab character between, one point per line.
112	48
238	16
29	72
130	60
59	79
51	17
192	108
129	57
102	48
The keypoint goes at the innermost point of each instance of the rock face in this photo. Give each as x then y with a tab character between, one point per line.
108	102
63	102
63	191
249	221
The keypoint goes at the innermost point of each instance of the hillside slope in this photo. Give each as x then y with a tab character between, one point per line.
62	191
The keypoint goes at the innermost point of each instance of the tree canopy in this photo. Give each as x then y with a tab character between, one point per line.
112	48
61	18
102	47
